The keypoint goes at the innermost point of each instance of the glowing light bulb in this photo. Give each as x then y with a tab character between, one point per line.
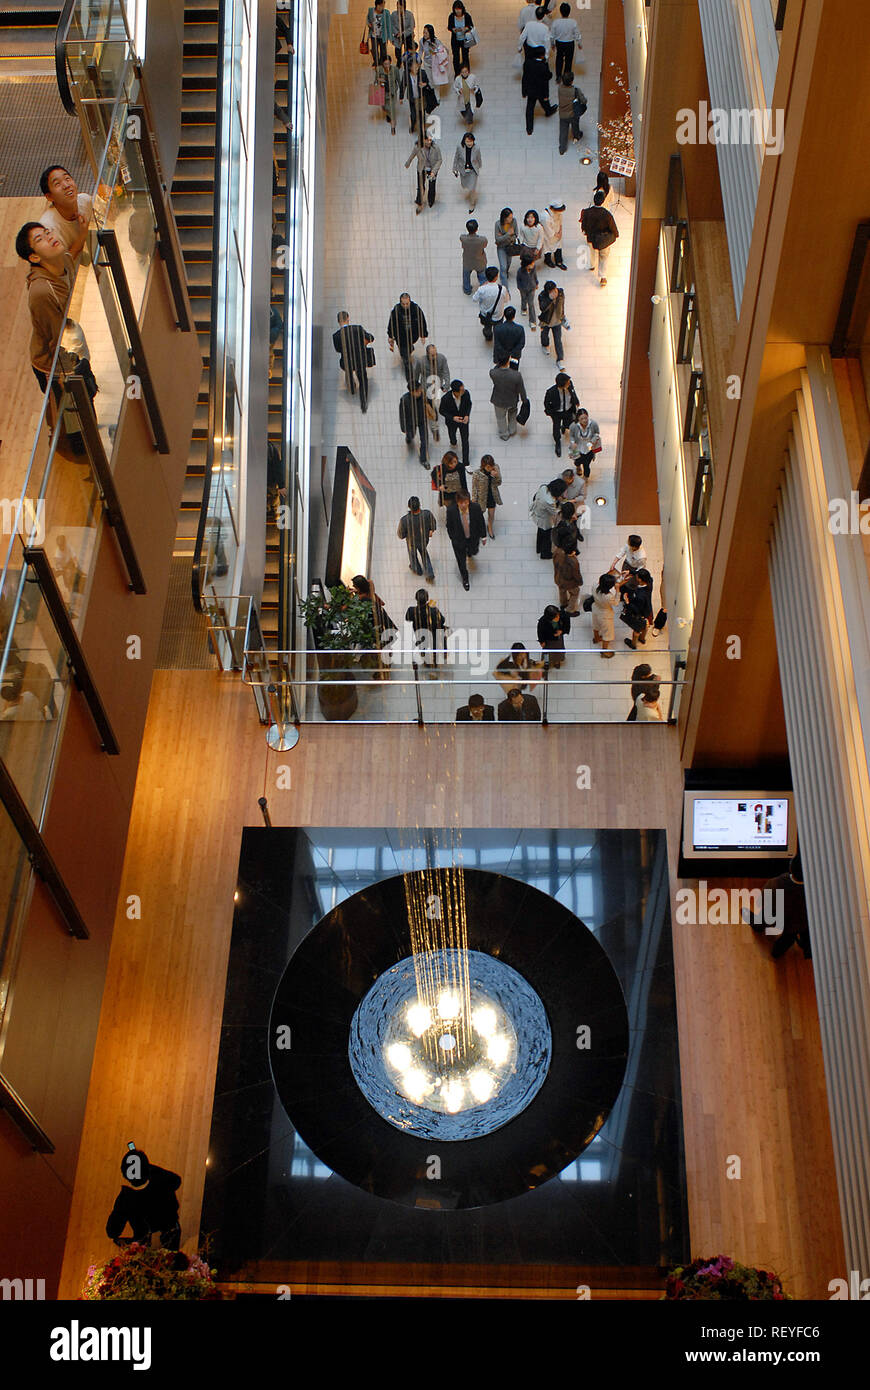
484	1021
447	1042
414	1084
482	1084
419	1017
448	1004
498	1048
399	1056
453	1093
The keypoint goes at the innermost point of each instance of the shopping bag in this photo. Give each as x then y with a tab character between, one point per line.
376	94
524	412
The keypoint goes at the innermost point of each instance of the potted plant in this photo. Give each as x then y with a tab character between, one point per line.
722	1278
140	1272
338	621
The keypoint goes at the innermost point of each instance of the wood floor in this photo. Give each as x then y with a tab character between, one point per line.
751	1063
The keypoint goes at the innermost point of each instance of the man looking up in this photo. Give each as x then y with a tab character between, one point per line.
49	286
69	212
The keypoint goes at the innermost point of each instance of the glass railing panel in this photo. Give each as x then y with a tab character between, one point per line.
34	685
15	886
71	518
129	213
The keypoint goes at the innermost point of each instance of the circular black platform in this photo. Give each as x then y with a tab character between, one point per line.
334	969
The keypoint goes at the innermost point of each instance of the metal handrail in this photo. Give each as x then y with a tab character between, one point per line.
60	68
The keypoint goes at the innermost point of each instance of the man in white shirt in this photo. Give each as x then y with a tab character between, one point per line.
492	299
631	557
527	13
536	33
565	35
69	212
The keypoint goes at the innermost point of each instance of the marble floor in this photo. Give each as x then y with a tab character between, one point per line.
376	248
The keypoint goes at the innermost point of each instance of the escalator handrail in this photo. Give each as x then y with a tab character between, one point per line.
60	66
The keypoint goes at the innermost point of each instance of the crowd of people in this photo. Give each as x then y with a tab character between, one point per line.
433	398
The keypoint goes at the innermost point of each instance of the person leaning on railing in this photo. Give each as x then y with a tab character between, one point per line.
49	287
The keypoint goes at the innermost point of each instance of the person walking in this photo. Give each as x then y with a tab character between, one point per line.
551	224
466	167
430	370
605	597
380	26
491	298
566	569
560	403
553	627
351	342
565	34
536	87
455	409
572	105
402	25
527	283
544	511
427	621
601	231
449	478
507	243
551	313
421	95
461	26
406	326
532	234
416	528
468	94
637	611
467	531
584	441
391	82
412	418
535	34
508	338
428	157
434	57
508	389
485	490
473	255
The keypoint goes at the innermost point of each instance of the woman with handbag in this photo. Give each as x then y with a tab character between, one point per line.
605	597
584	441
467	89
462	36
637	613
448	478
485	490
466	167
421	94
390	82
435	58
507	243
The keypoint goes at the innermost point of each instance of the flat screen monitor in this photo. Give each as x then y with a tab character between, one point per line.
738	825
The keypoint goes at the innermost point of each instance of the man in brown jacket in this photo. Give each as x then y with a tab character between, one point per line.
566	571
49	286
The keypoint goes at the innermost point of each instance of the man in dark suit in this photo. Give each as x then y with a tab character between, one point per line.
455	407
560	403
351	343
508	338
475	712
519	707
412	418
466	528
416	528
405	326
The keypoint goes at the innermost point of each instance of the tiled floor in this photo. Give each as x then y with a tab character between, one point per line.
377	248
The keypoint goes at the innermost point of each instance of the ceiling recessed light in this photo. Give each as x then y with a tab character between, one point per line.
601	501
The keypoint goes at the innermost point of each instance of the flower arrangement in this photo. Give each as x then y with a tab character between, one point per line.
616	136
724	1278
142	1273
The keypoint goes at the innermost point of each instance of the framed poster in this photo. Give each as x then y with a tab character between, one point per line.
352	520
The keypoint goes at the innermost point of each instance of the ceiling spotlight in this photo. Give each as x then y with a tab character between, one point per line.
601	501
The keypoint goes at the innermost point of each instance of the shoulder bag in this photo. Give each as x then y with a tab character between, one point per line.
524	411
478	98
364	41
376	94
469	38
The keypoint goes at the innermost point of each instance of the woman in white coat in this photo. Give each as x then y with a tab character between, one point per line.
466	88
552	225
605	597
436	60
466	167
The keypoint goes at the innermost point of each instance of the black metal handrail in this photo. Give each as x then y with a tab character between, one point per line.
60	67
288	537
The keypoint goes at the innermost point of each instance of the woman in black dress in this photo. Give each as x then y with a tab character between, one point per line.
459	22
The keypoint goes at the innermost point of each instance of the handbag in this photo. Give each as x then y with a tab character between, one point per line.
579	105
469	37
376	94
478	98
660	620
524	411
364	42
587	603
430	100
370	357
